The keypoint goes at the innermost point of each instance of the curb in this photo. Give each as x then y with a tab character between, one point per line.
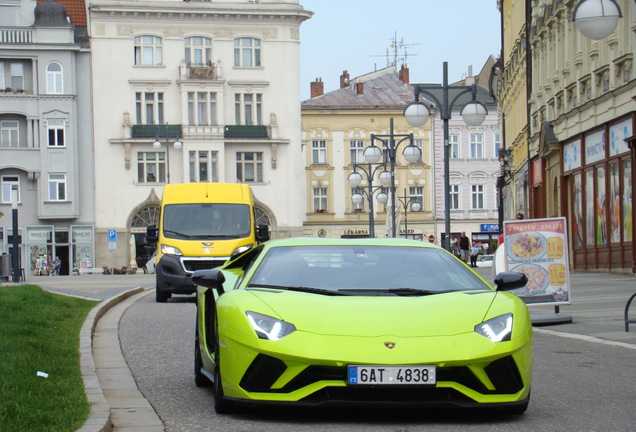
99	419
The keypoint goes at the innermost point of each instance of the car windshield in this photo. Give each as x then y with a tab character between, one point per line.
206	221
364	270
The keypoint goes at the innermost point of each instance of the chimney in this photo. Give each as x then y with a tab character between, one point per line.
360	88
404	74
317	88
344	79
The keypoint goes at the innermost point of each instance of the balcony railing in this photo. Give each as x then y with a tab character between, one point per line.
246	131
156	131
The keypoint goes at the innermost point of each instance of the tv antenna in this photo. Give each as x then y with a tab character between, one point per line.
393	52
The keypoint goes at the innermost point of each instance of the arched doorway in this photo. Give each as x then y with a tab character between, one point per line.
144	217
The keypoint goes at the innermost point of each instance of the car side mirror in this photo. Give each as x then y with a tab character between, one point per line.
262	233
152	234
211	278
507	281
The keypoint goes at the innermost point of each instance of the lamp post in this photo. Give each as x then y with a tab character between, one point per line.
415	206
373	153
505	162
474	113
177	145
355	179
15	256
596	19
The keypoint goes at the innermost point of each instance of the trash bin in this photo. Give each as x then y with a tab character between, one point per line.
5	267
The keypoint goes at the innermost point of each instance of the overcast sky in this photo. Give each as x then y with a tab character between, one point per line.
356	35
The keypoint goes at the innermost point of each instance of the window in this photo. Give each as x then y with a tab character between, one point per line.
247	52
17	76
149	108
454	196
57	187
249	167
476	145
318	152
151	167
202	108
2	75
55	129
418	143
198	51
453	142
477	196
204	166
9	133
320	200
417	195
248	108
496	144
356	150
8	182
54	78
148	51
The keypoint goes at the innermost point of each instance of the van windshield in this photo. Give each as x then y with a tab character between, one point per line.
206	221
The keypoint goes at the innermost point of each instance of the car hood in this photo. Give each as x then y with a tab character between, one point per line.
370	316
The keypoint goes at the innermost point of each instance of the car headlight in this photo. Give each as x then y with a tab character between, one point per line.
270	328
170	250
498	329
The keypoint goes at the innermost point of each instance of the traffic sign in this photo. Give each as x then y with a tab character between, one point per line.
112	235
431	238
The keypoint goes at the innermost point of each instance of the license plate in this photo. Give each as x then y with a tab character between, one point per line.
391	375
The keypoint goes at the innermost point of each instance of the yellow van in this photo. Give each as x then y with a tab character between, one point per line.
201	225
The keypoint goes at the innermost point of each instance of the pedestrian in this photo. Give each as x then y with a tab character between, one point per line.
464	247
519	216
57	265
453	245
474	253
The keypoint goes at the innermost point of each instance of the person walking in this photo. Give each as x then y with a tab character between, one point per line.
57	265
464	247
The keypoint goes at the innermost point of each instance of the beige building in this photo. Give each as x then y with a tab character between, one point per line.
337	127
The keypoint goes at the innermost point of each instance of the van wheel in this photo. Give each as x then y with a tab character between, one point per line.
161	297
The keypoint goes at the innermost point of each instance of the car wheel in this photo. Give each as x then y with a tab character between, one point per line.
199	379
221	404
160	296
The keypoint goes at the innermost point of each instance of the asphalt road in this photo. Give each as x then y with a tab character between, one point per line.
578	385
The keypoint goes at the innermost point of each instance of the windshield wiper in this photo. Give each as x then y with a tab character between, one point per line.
311	290
416	291
177	233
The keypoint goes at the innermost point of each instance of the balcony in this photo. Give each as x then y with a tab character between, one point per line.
202	72
246	131
156	131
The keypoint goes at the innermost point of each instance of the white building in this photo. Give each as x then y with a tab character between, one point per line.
221	79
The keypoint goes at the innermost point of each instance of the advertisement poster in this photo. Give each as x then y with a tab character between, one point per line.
538	248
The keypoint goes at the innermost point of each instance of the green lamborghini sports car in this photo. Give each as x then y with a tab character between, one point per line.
309	321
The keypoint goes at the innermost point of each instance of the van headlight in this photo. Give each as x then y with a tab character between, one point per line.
239	250
498	329
170	250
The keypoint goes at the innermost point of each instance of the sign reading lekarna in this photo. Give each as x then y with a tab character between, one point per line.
538	248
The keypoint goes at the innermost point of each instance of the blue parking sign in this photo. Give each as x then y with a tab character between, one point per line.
112	235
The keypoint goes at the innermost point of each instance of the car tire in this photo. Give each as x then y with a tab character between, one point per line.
160	296
221	404
199	379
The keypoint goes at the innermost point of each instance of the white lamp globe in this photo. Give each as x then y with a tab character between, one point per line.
416	206
382	198
156	144
474	113
596	19
356	198
355	179
385	177
416	114
412	153
178	144
372	154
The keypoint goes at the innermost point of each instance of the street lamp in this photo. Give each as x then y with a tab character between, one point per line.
474	113
505	176
177	145
373	153
16	240
414	201
596	19
355	179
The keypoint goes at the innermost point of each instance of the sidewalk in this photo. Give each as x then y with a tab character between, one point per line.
597	313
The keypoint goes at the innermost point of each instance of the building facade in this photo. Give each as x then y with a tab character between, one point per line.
46	151
194	92
337	127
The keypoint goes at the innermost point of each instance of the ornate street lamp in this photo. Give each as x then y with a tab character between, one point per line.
415	206
596	19
355	180
157	145
474	113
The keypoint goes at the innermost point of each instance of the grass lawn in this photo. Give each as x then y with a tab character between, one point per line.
39	331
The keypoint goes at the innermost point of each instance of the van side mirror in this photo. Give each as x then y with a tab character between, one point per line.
152	234
262	233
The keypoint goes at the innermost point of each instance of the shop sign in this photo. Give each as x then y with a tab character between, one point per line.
595	147
38	235
538	249
572	155
489	228
356	231
618	135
